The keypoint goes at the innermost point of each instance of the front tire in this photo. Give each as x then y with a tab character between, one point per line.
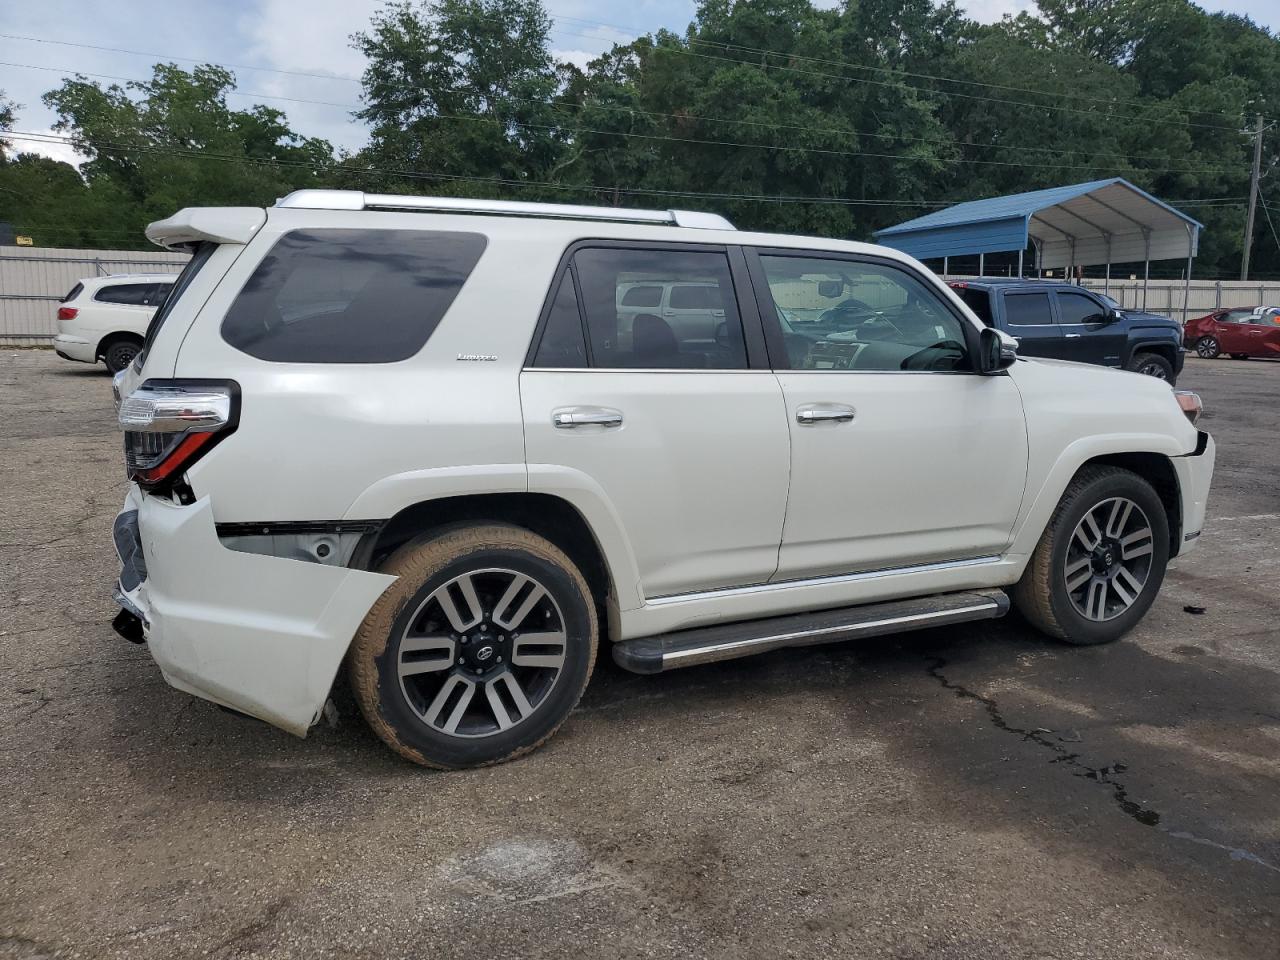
1100	561
479	651
1152	365
1208	348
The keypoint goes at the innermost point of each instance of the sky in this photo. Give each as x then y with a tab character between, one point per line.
255	37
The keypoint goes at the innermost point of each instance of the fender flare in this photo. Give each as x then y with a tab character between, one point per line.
1038	509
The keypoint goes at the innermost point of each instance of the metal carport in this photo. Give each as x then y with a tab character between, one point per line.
1085	224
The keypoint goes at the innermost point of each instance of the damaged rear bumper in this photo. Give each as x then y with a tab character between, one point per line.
261	635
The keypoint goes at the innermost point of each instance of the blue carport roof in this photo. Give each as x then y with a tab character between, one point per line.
1102	221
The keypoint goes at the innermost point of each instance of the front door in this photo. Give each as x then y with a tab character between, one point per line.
683	436
1088	333
900	454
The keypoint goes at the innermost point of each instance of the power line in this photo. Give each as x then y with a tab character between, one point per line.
892	71
644	136
766	66
630	111
492	181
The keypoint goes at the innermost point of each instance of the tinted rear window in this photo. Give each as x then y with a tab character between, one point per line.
350	296
75	292
979	301
1027	309
129	294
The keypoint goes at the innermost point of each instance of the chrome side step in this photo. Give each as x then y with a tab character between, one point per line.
727	641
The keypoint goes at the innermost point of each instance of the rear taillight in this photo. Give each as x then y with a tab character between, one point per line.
169	424
67	313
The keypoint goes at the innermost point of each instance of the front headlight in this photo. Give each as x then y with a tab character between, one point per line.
1190	403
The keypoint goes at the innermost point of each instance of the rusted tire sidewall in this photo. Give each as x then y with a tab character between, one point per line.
424	566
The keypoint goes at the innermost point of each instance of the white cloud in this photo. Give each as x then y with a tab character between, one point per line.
990	11
579	58
62	152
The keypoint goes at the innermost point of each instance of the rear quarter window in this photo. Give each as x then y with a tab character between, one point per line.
350	296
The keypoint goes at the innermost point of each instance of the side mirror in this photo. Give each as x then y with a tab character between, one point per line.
996	351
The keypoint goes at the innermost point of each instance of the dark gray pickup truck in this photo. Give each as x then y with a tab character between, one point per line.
1067	322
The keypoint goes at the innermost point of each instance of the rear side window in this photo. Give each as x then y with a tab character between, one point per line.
642	297
707	337
127	294
1027	309
75	292
350	296
979	301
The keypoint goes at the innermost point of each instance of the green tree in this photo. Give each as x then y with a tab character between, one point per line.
459	89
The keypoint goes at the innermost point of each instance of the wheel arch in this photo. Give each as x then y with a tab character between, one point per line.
1163	348
115	335
1148	457
546	515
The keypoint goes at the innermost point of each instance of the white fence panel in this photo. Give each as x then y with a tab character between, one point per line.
34	279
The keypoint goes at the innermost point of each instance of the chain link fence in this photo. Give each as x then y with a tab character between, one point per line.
34	279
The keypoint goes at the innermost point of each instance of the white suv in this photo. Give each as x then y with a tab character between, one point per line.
402	433
106	318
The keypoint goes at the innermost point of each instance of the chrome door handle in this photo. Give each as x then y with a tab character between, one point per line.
824	413
567	418
1072	336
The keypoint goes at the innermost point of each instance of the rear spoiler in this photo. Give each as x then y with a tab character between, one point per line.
197	224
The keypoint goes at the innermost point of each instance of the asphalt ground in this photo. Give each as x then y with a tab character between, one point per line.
969	792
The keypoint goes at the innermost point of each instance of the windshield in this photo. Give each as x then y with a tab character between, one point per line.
1114	305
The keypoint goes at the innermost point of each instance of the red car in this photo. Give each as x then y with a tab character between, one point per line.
1241	332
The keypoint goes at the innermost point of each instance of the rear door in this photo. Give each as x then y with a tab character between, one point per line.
1263	334
684	438
1028	315
1088	335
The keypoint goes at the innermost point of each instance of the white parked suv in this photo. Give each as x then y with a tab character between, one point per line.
401	433
106	318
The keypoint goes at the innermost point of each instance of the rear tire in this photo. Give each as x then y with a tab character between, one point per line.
479	651
1151	365
1208	348
120	352
1095	572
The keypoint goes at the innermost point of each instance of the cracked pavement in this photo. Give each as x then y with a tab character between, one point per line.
975	791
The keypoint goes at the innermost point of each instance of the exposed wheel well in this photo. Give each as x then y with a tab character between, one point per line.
105	343
550	517
1156	469
1166	350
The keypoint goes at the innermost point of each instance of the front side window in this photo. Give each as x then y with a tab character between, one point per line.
1027	310
350	296
1077	308
124	294
855	315
623	336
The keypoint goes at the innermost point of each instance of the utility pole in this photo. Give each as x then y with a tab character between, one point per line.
1253	198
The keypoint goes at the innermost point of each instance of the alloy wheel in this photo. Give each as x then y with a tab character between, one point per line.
1153	369
1207	348
482	652
1108	559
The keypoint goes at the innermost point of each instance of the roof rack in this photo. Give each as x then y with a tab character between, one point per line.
357	200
